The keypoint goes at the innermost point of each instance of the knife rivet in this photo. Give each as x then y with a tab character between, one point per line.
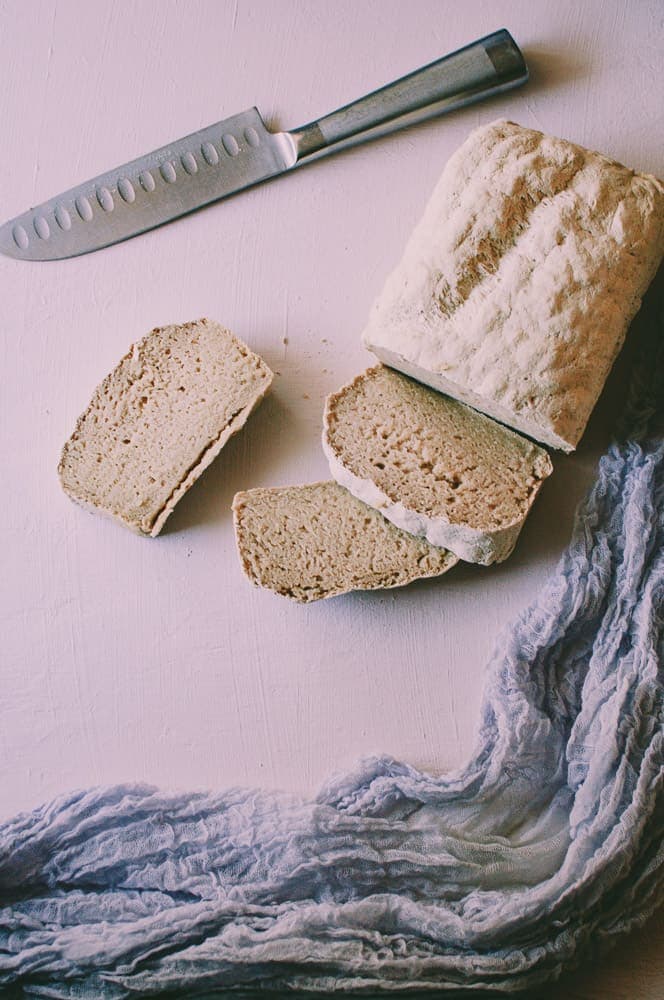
62	217
105	199
167	171
41	227
189	163
251	135
147	180
20	237
84	208
126	189
210	154
230	144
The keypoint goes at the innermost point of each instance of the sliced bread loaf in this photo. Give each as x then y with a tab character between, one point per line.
158	420
517	286
434	467
314	541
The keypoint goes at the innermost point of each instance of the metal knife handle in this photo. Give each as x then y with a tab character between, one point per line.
487	66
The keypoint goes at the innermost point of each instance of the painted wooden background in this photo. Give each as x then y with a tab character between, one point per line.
126	658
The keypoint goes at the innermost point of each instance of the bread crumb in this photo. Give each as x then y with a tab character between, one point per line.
316	541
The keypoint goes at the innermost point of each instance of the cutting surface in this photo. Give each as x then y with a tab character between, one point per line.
127	658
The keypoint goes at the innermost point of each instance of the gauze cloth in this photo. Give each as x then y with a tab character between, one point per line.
544	848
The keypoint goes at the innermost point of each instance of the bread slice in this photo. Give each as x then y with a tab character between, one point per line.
158	420
434	467
314	541
517	286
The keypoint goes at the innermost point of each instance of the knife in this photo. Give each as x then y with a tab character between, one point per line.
239	152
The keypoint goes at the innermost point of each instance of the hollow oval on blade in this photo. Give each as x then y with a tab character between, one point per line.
210	154
105	199
63	218
147	181
252	137
20	237
42	227
126	190
188	161
84	208
230	144
167	171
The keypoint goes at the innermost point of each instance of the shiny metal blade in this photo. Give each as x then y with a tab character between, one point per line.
203	167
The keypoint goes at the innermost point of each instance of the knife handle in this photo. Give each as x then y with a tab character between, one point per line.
485	67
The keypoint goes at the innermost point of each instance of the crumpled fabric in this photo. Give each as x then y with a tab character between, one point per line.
543	849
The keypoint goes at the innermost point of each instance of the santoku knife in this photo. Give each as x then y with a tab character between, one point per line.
238	152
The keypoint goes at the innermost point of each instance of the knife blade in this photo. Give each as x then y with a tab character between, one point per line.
239	152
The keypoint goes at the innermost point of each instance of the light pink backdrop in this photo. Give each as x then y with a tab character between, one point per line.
125	658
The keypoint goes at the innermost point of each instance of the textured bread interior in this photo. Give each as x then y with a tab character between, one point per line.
158	419
314	541
517	286
433	454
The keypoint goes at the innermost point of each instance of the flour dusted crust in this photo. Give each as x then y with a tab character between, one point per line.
517	286
159	419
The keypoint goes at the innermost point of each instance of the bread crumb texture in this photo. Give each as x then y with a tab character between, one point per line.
516	288
315	541
159	419
431	464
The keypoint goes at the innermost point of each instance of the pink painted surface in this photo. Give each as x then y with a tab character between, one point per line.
127	658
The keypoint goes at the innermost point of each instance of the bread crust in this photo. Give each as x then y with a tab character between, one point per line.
517	286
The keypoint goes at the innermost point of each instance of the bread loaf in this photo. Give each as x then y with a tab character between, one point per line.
517	286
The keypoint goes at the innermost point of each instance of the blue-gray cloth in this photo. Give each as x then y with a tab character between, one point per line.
545	847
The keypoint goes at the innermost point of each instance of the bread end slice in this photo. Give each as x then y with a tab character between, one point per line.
158	420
